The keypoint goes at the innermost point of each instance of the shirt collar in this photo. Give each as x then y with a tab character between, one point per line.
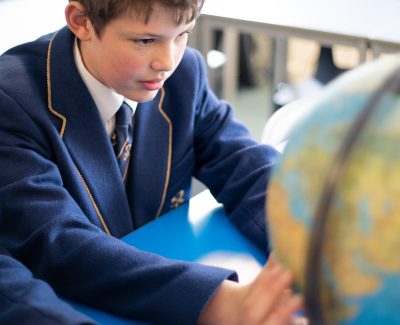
107	101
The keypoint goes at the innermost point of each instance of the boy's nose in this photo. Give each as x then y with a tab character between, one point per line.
165	59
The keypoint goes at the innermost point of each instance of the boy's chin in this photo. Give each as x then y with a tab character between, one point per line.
145	96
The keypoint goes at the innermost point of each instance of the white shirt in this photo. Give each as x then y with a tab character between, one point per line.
107	101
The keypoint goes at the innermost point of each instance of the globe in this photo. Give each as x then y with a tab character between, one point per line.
333	203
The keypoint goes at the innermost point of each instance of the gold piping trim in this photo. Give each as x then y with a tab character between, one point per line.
49	102
169	151
93	202
126	170
64	124
122	149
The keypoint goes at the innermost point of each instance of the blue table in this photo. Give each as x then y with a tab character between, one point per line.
208	238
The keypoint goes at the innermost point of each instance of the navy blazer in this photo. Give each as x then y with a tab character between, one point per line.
63	205
26	300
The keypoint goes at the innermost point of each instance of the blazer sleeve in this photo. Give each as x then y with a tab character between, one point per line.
44	227
235	167
26	300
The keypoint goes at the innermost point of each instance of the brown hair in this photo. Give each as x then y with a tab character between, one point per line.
101	12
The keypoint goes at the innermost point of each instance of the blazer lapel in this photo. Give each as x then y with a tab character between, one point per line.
85	137
150	167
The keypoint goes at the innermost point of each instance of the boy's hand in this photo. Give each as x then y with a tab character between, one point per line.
267	300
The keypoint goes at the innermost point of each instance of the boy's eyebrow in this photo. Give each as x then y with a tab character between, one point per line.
187	30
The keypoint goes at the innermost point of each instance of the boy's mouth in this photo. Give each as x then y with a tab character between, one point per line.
153	84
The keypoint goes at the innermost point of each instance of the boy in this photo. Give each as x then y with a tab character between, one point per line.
67	199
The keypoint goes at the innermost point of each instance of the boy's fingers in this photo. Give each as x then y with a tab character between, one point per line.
299	321
268	272
267	293
284	313
286	295
268	279
271	262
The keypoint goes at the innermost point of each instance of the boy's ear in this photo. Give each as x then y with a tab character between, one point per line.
77	21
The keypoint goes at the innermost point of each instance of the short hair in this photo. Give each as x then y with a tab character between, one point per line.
101	12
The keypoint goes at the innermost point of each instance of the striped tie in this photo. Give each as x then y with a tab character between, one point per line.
122	137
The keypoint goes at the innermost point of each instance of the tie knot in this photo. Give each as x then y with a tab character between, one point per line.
124	115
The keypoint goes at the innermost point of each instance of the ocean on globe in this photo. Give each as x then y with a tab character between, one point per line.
333	203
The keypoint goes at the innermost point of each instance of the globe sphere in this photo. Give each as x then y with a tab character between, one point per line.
333	203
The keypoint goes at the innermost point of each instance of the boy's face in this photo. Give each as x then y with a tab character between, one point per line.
134	58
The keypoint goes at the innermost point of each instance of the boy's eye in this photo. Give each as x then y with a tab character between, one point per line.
144	42
185	34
